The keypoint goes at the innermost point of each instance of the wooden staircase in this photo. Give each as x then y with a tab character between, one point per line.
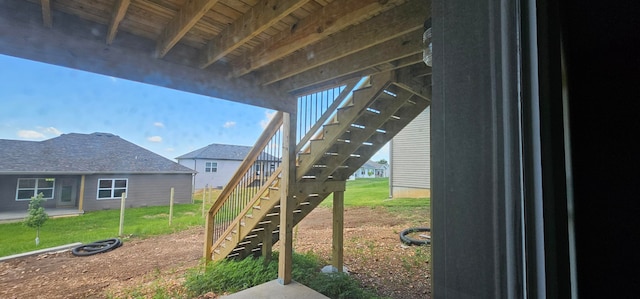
370	118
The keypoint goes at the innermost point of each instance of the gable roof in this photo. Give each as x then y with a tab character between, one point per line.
217	151
82	153
372	165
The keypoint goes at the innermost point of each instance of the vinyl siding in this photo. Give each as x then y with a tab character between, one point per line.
226	169
410	156
8	188
142	190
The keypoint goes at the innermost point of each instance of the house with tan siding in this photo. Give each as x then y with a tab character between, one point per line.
87	172
410	159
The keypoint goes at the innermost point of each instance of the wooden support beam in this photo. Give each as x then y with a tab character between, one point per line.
338	231
287	200
188	15
386	26
70	44
408	45
332	18
319	187
47	19
259	18
119	10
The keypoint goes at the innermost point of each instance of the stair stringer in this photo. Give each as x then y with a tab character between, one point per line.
246	237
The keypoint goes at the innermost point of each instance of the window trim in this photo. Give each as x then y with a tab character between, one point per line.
209	165
35	188
113	188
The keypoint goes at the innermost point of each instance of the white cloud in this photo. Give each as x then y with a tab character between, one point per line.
268	116
52	131
157	139
230	124
39	133
170	149
30	134
158	124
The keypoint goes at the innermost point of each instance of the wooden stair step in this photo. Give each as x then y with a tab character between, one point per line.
377	113
371	123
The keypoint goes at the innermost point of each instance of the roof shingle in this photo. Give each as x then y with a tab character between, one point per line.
82	153
217	151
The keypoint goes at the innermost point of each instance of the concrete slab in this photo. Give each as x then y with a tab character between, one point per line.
274	290
41	251
16	216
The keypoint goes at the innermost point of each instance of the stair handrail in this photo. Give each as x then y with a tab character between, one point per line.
256	151
337	103
341	101
248	161
248	207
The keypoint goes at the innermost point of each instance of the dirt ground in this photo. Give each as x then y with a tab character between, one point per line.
372	253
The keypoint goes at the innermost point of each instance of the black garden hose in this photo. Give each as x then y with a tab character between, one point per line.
96	247
411	241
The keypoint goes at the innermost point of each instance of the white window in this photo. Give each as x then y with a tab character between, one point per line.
211	167
111	188
31	187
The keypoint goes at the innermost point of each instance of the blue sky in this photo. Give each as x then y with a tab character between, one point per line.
41	101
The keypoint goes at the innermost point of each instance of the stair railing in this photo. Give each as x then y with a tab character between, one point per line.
261	163
313	113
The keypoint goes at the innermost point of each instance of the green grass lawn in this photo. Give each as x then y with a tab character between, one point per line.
375	193
99	225
149	221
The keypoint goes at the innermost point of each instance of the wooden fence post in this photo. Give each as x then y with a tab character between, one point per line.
204	198
122	205
171	206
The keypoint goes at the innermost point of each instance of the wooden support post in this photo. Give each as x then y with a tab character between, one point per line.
208	237
122	205
267	243
338	230
171	206
287	201
81	197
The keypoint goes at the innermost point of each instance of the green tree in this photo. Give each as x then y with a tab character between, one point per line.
382	161
37	216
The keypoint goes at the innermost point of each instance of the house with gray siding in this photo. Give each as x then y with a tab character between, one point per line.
88	172
216	163
410	159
